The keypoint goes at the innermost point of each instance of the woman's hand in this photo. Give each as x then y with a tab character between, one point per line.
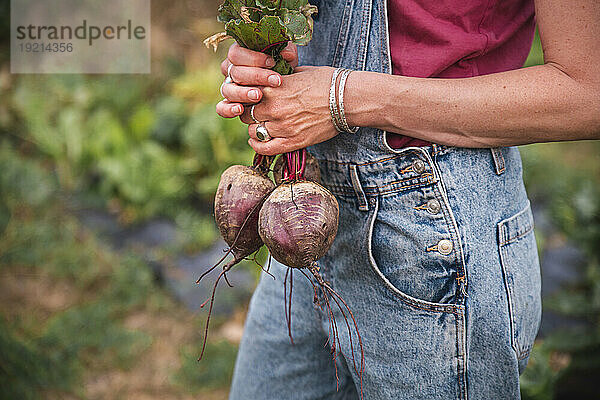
296	114
250	72
294	108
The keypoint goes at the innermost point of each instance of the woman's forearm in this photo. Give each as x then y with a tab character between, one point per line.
536	104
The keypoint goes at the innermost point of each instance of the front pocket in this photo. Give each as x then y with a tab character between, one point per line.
419	278
521	272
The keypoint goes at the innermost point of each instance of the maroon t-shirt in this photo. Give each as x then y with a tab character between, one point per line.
457	39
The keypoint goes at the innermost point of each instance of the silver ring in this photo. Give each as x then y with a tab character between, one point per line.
262	134
252	114
227	80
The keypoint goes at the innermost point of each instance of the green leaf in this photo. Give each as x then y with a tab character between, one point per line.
299	27
232	10
267	34
294	4
272	4
278	4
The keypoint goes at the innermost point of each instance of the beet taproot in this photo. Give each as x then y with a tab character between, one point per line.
240	193
298	222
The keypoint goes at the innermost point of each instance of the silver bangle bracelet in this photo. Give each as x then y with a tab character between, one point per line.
342	115
333	108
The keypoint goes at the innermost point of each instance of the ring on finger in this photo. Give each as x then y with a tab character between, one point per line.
252	114
229	73
262	134
227	80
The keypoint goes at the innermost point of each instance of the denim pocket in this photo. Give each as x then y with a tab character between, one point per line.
397	242
521	271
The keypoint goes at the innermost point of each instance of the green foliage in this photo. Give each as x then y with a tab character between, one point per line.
215	370
22	181
105	141
538	380
27	368
53	354
148	178
56	359
90	334
267	25
195	231
565	178
536	56
258	36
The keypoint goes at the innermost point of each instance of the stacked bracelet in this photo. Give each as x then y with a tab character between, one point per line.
336	106
333	108
344	123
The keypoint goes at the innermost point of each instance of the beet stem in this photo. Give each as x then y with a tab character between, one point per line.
214	266
336	336
292	192
262	267
362	353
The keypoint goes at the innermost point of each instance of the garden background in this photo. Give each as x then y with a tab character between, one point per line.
106	185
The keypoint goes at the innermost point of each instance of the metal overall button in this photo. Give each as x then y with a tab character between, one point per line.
444	247
434	206
418	166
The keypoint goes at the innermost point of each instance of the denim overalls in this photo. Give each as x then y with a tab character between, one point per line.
435	255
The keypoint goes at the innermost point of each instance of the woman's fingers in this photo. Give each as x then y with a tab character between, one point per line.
238	55
290	54
227	109
260	113
241	94
252	76
271	147
224	66
246	118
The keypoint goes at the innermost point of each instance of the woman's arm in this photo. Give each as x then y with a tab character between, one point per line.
557	101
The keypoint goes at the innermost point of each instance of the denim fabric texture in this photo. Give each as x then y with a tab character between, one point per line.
435	255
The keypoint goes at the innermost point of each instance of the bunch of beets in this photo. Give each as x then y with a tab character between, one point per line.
292	214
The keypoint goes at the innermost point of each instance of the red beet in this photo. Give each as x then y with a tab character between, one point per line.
240	193
298	223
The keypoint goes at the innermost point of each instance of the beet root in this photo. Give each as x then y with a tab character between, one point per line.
298	223
240	193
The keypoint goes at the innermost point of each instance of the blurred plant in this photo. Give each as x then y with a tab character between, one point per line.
27	368
215	372
146	158
565	178
50	350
